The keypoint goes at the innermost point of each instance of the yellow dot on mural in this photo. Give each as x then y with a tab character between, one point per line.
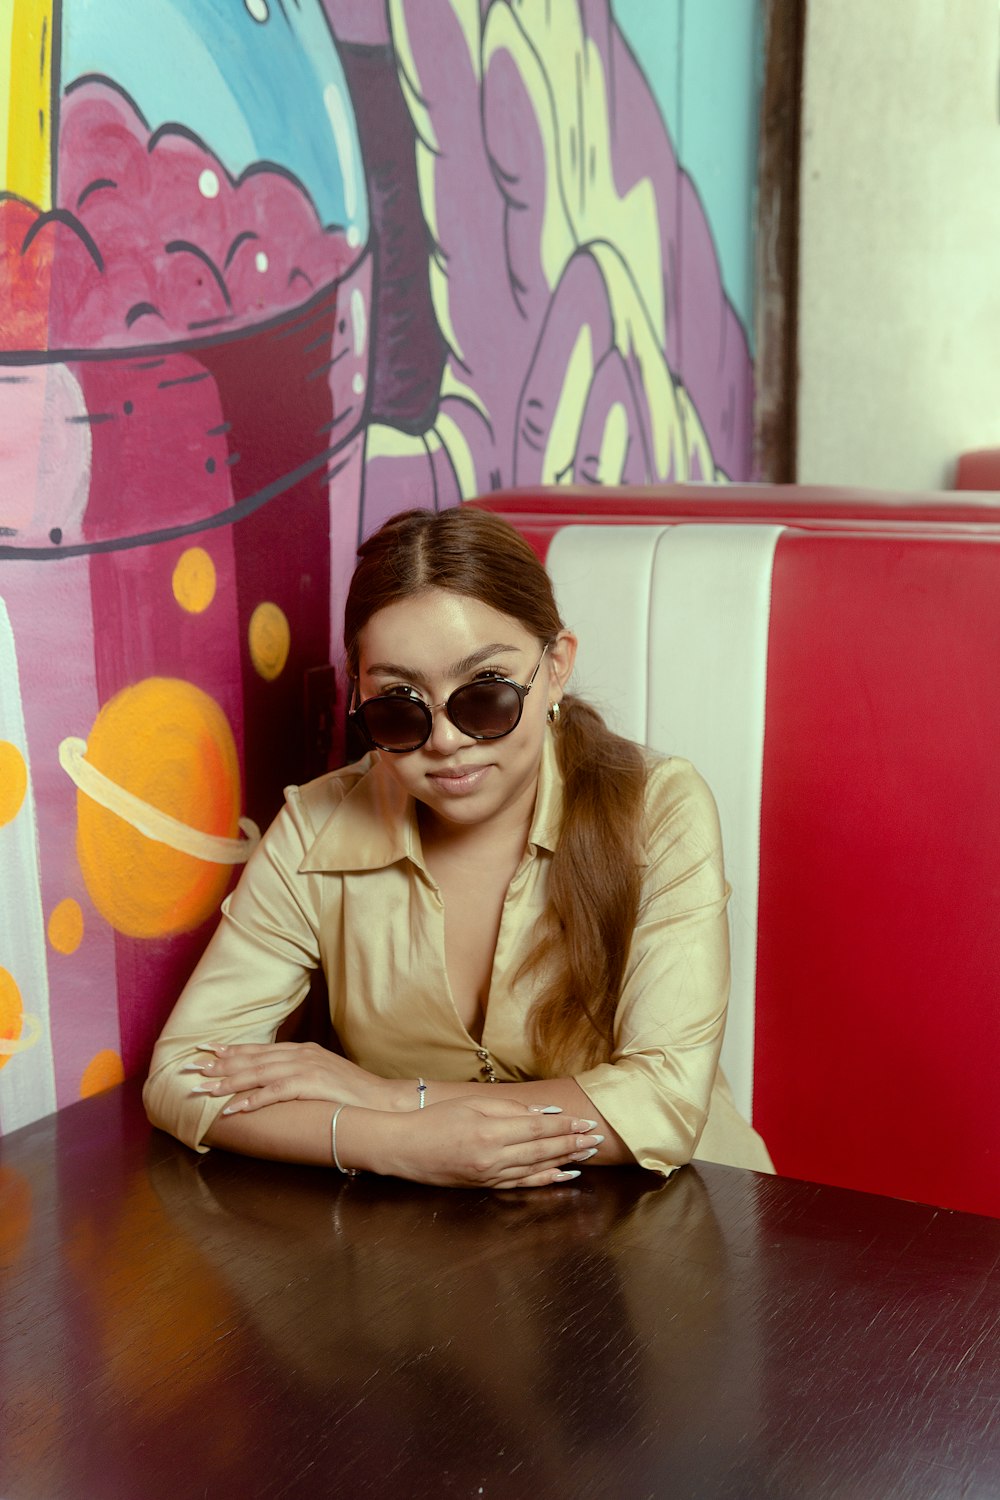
13	781
104	1070
270	639
170	745
11	1013
194	580
66	926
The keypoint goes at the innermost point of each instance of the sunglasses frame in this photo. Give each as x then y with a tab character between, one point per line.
522	689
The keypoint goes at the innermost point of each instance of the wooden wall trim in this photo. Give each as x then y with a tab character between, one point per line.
777	242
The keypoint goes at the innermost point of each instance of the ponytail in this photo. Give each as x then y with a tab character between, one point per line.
594	889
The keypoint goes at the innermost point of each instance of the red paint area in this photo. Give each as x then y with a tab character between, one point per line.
139	253
878	1027
188	436
25	279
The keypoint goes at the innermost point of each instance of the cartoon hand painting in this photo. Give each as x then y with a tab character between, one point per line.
554	206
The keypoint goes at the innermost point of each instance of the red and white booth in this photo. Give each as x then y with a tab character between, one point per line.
836	678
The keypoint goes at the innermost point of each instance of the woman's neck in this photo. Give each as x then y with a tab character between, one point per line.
500	840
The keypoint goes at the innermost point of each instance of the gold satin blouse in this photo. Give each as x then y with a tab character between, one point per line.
339	880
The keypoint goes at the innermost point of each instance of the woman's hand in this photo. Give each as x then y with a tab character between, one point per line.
468	1142
258	1074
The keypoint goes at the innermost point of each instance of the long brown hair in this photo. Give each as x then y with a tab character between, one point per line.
594	879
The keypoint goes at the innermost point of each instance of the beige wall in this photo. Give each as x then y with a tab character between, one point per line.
899	319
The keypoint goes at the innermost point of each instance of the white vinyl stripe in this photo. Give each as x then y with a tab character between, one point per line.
708	632
27	1079
601	576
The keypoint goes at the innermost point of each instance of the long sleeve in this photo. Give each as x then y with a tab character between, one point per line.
658	1087
254	973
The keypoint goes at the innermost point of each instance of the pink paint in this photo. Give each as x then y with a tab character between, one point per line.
215	375
163	242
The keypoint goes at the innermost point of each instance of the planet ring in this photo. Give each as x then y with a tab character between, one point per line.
150	821
31	1029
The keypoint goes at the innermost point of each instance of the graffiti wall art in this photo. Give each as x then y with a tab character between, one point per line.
271	270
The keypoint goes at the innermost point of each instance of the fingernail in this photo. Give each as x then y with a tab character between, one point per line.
584	1155
234	1109
585	1125
204	1047
194	1068
559	1177
205	1088
551	1109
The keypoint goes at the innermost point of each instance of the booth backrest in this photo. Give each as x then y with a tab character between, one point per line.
839	688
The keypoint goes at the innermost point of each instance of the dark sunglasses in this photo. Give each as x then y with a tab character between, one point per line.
484	710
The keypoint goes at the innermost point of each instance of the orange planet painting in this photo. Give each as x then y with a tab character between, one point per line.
11	1015
168	747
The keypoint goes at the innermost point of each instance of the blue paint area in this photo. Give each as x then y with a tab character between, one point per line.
253	90
703	60
653	32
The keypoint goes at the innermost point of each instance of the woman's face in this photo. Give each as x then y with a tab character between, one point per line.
436	642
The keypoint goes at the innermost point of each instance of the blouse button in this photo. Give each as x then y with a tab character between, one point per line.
487	1069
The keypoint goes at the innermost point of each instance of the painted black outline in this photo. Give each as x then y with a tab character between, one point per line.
188	247
241	238
67	217
109	83
309	309
142	310
213	522
93	186
55	96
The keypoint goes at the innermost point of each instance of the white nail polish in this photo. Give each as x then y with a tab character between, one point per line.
565	1176
551	1109
588	1125
585	1155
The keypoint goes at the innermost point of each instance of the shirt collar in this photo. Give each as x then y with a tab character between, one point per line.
375	825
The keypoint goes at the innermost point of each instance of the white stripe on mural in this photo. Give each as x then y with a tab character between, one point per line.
708	631
27	1082
601	576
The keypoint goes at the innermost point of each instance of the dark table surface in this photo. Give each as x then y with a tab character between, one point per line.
182	1326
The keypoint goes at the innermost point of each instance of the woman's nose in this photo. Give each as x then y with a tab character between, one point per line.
445	736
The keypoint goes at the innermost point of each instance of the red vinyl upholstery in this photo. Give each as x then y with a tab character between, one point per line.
978	470
539	514
876	998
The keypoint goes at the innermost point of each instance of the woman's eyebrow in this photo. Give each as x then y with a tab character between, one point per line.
459	669
476	659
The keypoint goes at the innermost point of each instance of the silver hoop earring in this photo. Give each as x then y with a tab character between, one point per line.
553	713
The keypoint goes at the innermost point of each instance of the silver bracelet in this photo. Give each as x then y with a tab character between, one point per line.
421	1093
347	1171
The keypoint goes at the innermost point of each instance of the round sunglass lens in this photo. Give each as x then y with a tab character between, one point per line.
485	710
395	723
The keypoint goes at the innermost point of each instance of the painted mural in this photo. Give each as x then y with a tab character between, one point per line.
269	271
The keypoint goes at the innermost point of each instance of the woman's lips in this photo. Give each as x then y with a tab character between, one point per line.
460	782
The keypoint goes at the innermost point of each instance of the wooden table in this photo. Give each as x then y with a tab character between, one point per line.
180	1326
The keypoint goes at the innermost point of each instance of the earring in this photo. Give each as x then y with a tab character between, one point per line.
553	713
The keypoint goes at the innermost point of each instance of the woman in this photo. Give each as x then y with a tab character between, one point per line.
520	915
